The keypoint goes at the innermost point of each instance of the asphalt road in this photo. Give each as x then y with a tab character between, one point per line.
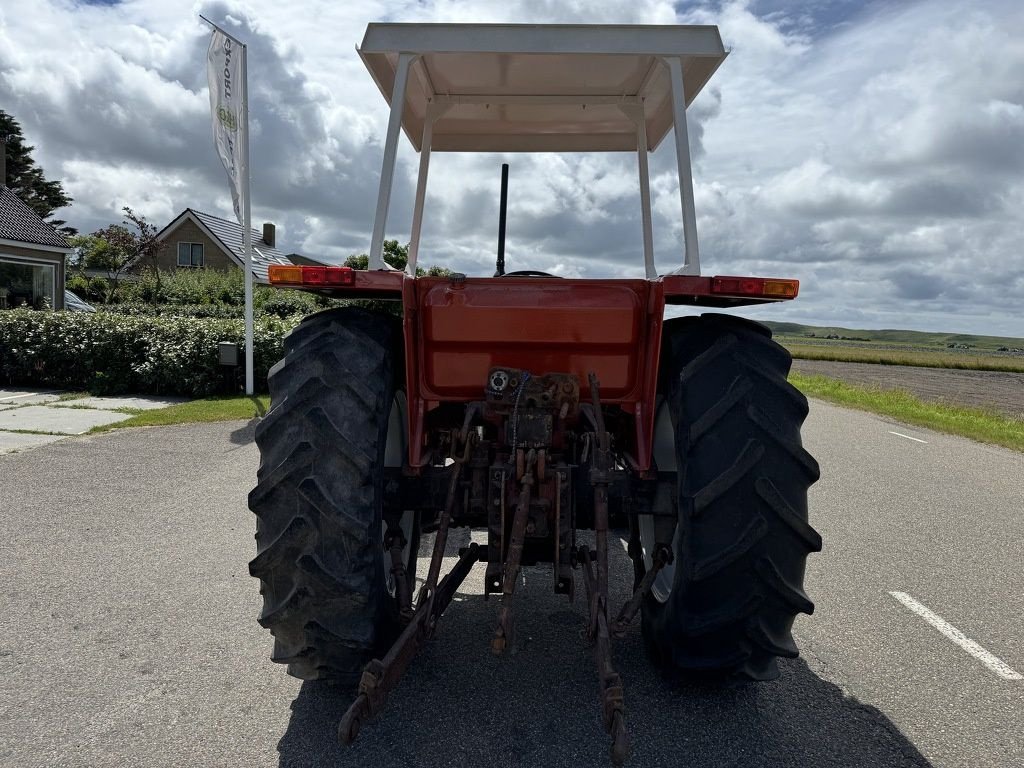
128	633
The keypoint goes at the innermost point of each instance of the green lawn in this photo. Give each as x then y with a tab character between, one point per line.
207	409
977	424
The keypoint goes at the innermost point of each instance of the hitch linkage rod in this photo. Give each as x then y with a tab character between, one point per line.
504	634
612	698
613	708
381	675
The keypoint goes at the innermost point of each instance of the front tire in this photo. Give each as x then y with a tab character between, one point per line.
318	499
726	606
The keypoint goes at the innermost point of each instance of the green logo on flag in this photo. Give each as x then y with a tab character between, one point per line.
227	118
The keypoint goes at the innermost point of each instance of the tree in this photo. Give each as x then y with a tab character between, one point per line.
113	248
394	254
398	257
25	178
148	248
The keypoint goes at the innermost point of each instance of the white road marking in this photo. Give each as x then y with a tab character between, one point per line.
994	663
18	397
915	439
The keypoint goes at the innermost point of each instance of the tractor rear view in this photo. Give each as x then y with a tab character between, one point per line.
531	407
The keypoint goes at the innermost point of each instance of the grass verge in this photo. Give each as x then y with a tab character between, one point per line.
975	423
920	358
195	411
72	396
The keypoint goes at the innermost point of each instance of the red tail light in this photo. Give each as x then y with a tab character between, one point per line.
341	276
280	274
766	287
314	275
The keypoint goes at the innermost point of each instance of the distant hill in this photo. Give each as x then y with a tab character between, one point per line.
888	336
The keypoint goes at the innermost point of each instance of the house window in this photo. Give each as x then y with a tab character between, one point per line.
190	254
24	283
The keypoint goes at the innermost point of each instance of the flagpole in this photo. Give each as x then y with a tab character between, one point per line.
247	225
246	210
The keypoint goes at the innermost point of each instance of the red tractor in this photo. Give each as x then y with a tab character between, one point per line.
531	406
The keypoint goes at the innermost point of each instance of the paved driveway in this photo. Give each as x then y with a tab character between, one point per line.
30	418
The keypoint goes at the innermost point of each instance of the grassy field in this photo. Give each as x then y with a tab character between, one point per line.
887	356
888	336
983	426
893	347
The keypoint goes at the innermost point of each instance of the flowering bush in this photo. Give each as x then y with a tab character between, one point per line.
188	292
107	353
174	310
266	301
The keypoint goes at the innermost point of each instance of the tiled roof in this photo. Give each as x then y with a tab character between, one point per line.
19	222
229	233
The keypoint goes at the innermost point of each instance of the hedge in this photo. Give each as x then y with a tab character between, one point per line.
173	310
222	292
120	354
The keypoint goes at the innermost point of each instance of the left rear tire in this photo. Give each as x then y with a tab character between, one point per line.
324	574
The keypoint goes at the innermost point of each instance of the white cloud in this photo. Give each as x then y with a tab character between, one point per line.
876	152
815	187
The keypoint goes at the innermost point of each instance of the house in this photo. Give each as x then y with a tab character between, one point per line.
199	240
32	255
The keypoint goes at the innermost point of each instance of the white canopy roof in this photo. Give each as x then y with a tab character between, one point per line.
539	88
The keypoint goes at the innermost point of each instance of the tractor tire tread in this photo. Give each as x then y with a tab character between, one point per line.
755	531
316	494
744	539
733	396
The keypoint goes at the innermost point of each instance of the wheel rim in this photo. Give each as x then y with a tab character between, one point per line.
394	455
406	524
664	450
662	586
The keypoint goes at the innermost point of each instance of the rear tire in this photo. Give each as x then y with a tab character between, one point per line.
743	537
318	499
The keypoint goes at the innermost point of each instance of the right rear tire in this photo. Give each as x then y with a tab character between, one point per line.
318	499
726	606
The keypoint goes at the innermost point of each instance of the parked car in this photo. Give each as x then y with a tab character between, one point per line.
74	304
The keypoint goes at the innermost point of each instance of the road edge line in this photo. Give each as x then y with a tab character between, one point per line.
991	661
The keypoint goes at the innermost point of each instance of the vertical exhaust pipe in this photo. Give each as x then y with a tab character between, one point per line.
502	208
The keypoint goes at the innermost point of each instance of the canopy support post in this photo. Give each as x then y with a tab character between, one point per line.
691	257
635	112
434	112
387	171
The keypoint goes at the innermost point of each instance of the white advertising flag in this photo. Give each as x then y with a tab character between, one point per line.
224	73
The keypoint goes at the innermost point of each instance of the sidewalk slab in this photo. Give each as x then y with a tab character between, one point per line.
11	442
13	398
66	421
141	403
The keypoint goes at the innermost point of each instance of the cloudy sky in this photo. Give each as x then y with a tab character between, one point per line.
875	150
